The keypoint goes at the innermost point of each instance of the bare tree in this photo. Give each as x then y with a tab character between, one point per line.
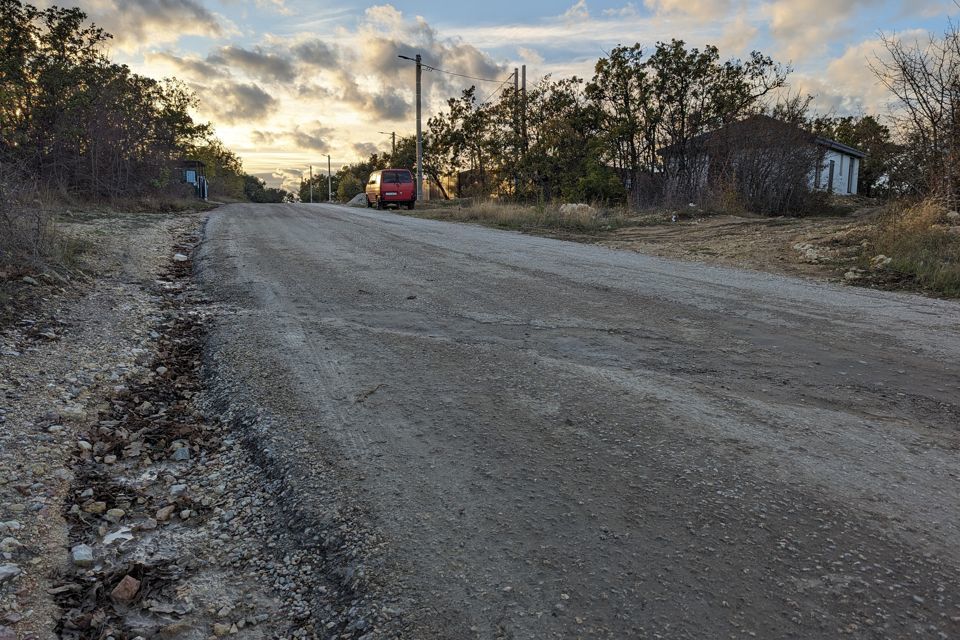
924	77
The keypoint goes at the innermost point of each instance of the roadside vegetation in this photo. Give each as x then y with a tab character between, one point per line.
916	245
579	218
77	129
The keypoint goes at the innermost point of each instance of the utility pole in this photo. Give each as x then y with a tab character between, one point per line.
420	197
420	194
523	106
311	184
516	128
393	141
329	181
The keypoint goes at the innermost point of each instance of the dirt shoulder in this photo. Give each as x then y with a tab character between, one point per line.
125	508
824	248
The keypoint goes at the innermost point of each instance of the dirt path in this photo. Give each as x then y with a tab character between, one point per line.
501	435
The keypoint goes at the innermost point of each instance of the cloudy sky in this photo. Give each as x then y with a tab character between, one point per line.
287	81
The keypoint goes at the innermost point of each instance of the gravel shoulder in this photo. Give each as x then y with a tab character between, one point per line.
127	506
500	435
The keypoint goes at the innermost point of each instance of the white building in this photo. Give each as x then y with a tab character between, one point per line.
839	167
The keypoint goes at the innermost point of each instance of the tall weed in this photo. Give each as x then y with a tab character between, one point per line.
923	242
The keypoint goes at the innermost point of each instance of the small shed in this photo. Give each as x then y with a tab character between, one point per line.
839	167
193	172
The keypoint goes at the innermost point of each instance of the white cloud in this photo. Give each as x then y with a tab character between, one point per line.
579	11
802	28
705	9
845	84
737	37
139	24
530	56
628	10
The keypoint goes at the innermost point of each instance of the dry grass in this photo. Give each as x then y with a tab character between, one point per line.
582	219
923	242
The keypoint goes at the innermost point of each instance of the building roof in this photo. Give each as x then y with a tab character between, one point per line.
838	146
764	120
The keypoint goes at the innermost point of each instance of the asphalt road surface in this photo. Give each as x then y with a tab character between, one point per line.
536	438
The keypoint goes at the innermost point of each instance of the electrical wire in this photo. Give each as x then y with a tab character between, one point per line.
459	75
505	80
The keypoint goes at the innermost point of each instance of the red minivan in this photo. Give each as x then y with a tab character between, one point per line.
391	186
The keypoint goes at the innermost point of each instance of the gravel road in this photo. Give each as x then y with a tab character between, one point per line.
528	438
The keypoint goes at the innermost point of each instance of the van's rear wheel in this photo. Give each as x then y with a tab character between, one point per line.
369	204
379	203
410	204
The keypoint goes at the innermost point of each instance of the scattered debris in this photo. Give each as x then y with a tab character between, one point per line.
363	395
808	253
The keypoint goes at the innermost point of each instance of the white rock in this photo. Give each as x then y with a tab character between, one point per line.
576	209
8	572
9	545
123	534
82	555
73	411
179	257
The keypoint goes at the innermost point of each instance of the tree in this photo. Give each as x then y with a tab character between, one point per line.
320	184
622	91
924	78
670	100
224	170
76	122
256	190
695	94
460	140
349	186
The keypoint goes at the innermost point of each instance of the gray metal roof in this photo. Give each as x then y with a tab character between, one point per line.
839	146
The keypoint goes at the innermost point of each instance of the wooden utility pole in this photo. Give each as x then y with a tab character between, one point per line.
420	197
329	181
311	184
420	194
523	106
393	141
516	129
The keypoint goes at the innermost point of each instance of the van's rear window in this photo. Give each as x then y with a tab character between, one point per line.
397	177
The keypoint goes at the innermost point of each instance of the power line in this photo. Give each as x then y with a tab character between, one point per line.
505	80
459	75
